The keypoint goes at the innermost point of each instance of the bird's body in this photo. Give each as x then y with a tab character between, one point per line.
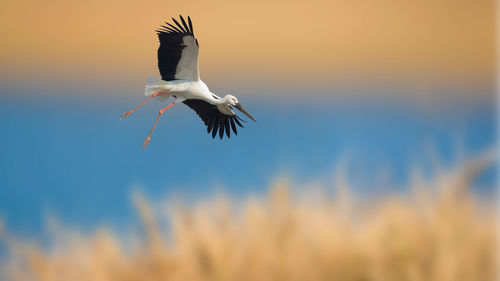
180	89
178	65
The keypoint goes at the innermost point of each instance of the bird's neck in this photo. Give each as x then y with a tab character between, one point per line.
217	100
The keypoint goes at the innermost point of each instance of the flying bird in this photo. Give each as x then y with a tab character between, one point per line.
180	79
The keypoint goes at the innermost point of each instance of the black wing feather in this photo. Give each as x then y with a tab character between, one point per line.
210	125
214	131
174	27
180	26
190	26
238	122
226	126
168	28
233	126
215	120
185	25
221	127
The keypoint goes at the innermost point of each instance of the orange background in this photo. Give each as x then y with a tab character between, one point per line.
300	45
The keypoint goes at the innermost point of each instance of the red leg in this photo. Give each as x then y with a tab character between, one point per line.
152	96
146	141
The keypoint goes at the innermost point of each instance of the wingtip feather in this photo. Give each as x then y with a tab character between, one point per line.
214	131
233	126
185	25
190	26
179	25
173	27
221	129
237	121
228	130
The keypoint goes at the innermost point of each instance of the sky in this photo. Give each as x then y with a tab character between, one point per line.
411	48
388	84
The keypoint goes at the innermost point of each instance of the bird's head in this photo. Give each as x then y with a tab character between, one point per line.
233	101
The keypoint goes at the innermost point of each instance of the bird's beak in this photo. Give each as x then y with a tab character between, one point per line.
242	109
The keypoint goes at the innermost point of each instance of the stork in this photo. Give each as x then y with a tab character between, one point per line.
180	79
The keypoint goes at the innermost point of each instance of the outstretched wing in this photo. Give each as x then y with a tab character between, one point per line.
178	51
214	119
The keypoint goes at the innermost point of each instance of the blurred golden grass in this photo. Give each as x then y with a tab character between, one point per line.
438	231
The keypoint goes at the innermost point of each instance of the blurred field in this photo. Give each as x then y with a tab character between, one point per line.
438	230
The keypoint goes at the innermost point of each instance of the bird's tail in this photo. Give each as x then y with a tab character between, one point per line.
154	85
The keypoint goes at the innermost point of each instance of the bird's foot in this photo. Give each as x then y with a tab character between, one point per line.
146	141
126	114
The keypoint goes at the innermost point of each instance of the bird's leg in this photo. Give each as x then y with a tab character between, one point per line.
152	96
146	141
